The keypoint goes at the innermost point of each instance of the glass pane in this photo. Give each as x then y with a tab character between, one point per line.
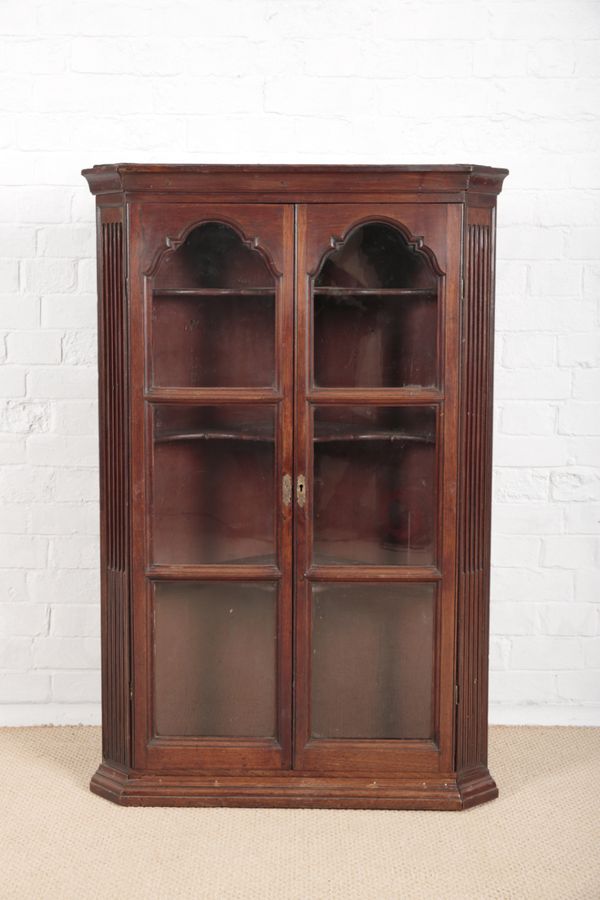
213	498
215	659
375	313
374	485
372	660
213	314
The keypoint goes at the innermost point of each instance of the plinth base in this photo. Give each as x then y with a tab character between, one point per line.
290	790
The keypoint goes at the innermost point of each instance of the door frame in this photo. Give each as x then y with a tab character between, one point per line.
155	226
437	229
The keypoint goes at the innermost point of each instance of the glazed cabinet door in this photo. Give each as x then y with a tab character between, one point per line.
211	296
378	290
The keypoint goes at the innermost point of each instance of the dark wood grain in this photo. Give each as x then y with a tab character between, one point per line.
180	395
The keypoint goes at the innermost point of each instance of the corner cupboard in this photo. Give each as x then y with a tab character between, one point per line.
296	421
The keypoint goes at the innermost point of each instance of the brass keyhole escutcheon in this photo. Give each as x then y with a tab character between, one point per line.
301	490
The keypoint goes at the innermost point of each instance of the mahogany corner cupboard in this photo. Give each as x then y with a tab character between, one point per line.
296	422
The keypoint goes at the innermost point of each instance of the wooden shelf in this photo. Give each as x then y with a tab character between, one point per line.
403	563
331	433
264	559
217	434
213	292
376	292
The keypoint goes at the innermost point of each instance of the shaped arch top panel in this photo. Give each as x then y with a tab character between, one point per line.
213	254
376	293
424	228
377	254
217	288
164	226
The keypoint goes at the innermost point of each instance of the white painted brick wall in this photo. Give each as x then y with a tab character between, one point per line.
498	82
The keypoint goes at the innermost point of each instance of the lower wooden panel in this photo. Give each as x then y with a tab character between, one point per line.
290	790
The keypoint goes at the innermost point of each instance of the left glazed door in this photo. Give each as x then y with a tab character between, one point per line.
211	292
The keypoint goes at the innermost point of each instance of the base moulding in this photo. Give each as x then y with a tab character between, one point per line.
453	792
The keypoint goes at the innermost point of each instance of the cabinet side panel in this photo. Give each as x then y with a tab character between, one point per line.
114	489
475	490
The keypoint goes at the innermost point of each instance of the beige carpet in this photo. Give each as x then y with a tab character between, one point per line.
541	839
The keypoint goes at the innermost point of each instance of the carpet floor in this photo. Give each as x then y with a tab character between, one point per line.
540	839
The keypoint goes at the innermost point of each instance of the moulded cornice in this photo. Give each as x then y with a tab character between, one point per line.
303	179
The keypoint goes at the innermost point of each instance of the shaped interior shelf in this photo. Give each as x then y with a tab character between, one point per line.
328	432
339	431
262	559
213	292
251	433
375	292
375	552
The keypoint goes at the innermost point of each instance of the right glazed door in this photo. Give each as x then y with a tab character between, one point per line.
377	290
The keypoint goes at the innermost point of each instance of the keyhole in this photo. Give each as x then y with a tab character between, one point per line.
300	495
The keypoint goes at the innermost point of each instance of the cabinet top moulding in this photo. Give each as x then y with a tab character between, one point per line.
270	182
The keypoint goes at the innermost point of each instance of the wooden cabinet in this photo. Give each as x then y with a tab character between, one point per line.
296	414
